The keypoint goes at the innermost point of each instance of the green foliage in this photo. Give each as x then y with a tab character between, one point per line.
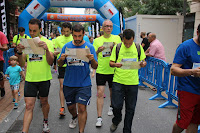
151	7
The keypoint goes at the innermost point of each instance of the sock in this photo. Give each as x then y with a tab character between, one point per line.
46	120
99	117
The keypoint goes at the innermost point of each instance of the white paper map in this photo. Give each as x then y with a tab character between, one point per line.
31	46
107	51
78	53
130	64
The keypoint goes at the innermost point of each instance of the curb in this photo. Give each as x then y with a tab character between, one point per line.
12	117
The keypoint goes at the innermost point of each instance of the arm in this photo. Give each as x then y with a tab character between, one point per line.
22	74
176	70
3	47
49	54
21	56
100	49
94	63
113	64
61	60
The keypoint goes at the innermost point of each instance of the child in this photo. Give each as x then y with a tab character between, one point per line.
13	73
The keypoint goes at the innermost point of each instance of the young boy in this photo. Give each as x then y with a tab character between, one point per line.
13	73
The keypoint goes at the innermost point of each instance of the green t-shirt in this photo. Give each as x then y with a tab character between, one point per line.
18	41
103	62
38	68
61	41
125	76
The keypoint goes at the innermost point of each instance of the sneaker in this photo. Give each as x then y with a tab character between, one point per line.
73	123
3	92
16	106
99	122
18	93
110	111
113	127
45	127
62	111
13	100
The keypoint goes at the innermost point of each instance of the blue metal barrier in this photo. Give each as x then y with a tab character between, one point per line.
6	56
153	74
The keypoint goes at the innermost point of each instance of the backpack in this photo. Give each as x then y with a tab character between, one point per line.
119	46
18	38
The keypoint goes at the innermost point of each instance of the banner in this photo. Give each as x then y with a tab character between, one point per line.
72	3
121	20
49	28
3	21
93	30
43	27
97	28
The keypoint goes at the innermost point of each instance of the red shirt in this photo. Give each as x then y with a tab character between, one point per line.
3	40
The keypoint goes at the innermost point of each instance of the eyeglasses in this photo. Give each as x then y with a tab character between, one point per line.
106	26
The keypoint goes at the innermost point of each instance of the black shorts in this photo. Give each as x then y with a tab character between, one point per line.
31	88
1	70
102	78
61	72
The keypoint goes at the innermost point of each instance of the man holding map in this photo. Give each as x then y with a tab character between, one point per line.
104	73
125	80
36	79
77	82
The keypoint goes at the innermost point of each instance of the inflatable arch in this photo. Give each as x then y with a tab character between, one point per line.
75	17
37	8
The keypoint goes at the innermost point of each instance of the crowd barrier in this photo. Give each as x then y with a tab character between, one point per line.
157	74
6	56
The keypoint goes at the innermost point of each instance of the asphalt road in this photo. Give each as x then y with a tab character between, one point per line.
148	117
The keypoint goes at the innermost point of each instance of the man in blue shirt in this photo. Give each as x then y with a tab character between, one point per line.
186	66
77	82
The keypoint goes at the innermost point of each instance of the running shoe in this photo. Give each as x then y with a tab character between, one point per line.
62	111
45	127
13	100
99	122
110	111
16	106
73	123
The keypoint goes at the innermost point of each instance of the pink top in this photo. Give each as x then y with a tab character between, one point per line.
157	50
3	40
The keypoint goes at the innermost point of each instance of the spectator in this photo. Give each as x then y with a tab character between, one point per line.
125	82
3	47
13	73
52	36
186	66
145	44
156	48
91	39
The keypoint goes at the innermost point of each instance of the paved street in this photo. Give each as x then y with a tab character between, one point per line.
148	117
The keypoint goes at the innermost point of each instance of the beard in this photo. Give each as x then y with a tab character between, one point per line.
78	41
198	39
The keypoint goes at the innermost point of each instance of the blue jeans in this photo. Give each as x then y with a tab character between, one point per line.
120	93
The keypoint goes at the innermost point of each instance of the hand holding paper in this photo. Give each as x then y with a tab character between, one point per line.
33	46
78	53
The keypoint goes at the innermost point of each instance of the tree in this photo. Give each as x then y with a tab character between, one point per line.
151	7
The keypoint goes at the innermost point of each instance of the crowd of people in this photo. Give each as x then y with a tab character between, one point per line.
106	57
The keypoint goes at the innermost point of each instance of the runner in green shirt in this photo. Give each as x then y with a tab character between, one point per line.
104	73
125	80
59	43
38	76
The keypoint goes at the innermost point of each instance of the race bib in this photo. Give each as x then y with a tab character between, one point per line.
35	57
75	62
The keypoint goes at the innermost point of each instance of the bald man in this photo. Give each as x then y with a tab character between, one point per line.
156	48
